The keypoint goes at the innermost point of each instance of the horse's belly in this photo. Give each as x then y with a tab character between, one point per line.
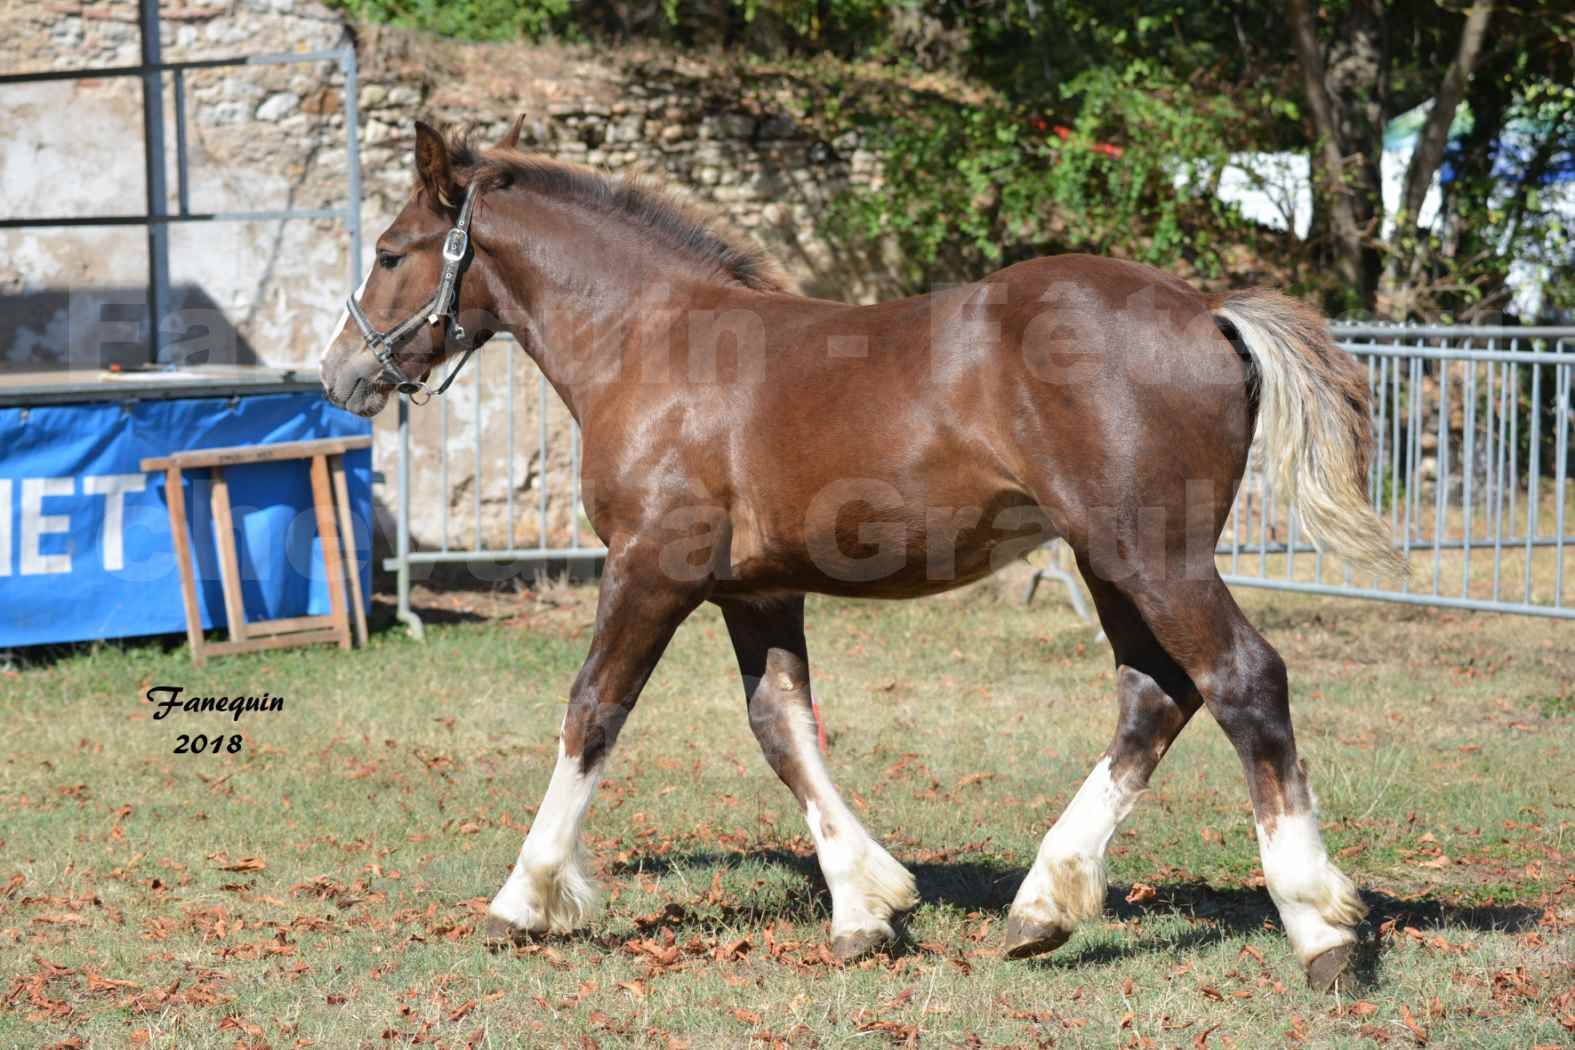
859	545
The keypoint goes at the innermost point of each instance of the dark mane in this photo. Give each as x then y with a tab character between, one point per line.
645	203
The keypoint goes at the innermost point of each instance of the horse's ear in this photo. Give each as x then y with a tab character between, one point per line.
432	164
511	138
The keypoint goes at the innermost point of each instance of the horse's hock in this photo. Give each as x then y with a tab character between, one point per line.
272	137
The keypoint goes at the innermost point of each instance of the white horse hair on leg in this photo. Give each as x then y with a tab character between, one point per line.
1066	885
549	890
1318	903
868	886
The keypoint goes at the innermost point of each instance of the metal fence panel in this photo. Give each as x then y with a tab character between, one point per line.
157	218
516	454
1471	469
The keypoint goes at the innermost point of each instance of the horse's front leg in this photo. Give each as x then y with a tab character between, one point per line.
638	610
868	887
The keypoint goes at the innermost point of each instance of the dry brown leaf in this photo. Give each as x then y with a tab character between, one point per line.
1140	893
244	864
1201	1040
1417	1031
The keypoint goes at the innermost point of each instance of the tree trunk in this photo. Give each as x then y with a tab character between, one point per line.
1428	155
1430	142
1347	97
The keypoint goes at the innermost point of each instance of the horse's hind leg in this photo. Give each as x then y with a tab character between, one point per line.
1243	681
867	886
637	612
1066	885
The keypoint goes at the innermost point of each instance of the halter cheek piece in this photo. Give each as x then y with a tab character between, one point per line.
443	306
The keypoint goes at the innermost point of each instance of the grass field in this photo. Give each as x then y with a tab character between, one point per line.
322	886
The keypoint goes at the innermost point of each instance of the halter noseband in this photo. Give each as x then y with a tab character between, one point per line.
443	306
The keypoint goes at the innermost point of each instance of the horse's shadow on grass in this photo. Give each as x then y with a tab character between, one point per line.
1217	914
1213	914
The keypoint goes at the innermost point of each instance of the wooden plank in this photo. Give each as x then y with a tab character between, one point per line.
229	564
352	559
175	496
332	636
287	625
333	555
226	457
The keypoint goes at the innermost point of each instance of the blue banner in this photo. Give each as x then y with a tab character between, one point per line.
85	544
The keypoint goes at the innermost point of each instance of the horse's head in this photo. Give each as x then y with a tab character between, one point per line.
429	294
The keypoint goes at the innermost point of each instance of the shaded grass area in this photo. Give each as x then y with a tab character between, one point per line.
323	885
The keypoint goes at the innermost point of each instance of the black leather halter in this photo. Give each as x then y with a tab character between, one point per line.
443	306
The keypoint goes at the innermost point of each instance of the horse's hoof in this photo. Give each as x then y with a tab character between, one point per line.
846	947
1331	971
1027	939
498	934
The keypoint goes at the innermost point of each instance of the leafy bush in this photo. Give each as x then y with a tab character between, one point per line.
1002	183
468	19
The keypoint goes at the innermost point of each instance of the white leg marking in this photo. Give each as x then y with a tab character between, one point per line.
867	884
548	888
1066	885
344	319
1318	904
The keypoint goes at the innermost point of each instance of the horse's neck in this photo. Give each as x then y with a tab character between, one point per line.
590	300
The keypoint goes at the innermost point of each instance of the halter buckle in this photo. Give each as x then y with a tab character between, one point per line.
384	344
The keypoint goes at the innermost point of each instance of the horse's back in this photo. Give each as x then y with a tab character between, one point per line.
933	438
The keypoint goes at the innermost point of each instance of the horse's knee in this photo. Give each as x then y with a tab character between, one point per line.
766	715
591	727
782	721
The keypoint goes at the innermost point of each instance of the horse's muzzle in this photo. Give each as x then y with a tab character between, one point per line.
362	393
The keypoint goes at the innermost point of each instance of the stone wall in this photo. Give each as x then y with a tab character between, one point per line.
260	138
732	142
274	136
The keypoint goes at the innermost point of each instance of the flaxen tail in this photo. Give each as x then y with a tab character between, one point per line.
1314	424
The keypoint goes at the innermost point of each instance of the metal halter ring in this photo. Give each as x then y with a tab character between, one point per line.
383	345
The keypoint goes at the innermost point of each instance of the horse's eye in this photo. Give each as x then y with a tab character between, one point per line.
388	260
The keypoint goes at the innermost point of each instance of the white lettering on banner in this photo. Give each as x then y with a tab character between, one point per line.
36	525
5	526
113	487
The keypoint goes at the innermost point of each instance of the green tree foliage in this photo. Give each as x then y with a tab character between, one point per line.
996	182
469	19
1154	96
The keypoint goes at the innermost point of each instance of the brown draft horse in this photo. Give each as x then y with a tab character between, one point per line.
746	445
